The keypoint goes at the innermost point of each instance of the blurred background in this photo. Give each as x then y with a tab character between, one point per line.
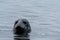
43	15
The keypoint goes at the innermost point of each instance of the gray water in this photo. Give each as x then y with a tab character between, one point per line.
43	15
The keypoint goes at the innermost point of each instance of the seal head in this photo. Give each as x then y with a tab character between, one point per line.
22	27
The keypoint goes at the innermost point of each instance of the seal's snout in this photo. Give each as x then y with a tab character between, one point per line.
18	28
22	26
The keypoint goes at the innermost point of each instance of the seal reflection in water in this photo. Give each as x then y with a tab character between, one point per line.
21	29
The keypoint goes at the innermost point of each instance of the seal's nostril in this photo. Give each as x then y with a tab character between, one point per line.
17	27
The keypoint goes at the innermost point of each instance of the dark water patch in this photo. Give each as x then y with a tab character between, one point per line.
5	27
49	36
55	31
30	16
44	24
27	11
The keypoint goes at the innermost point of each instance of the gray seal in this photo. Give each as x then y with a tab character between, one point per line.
22	27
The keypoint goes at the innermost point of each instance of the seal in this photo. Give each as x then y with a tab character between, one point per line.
22	27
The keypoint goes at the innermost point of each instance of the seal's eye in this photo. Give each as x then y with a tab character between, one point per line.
16	22
24	22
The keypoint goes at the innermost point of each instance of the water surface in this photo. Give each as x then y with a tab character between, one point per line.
43	15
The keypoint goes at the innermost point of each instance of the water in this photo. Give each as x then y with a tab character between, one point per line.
43	15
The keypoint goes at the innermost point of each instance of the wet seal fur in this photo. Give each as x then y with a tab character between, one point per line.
22	27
